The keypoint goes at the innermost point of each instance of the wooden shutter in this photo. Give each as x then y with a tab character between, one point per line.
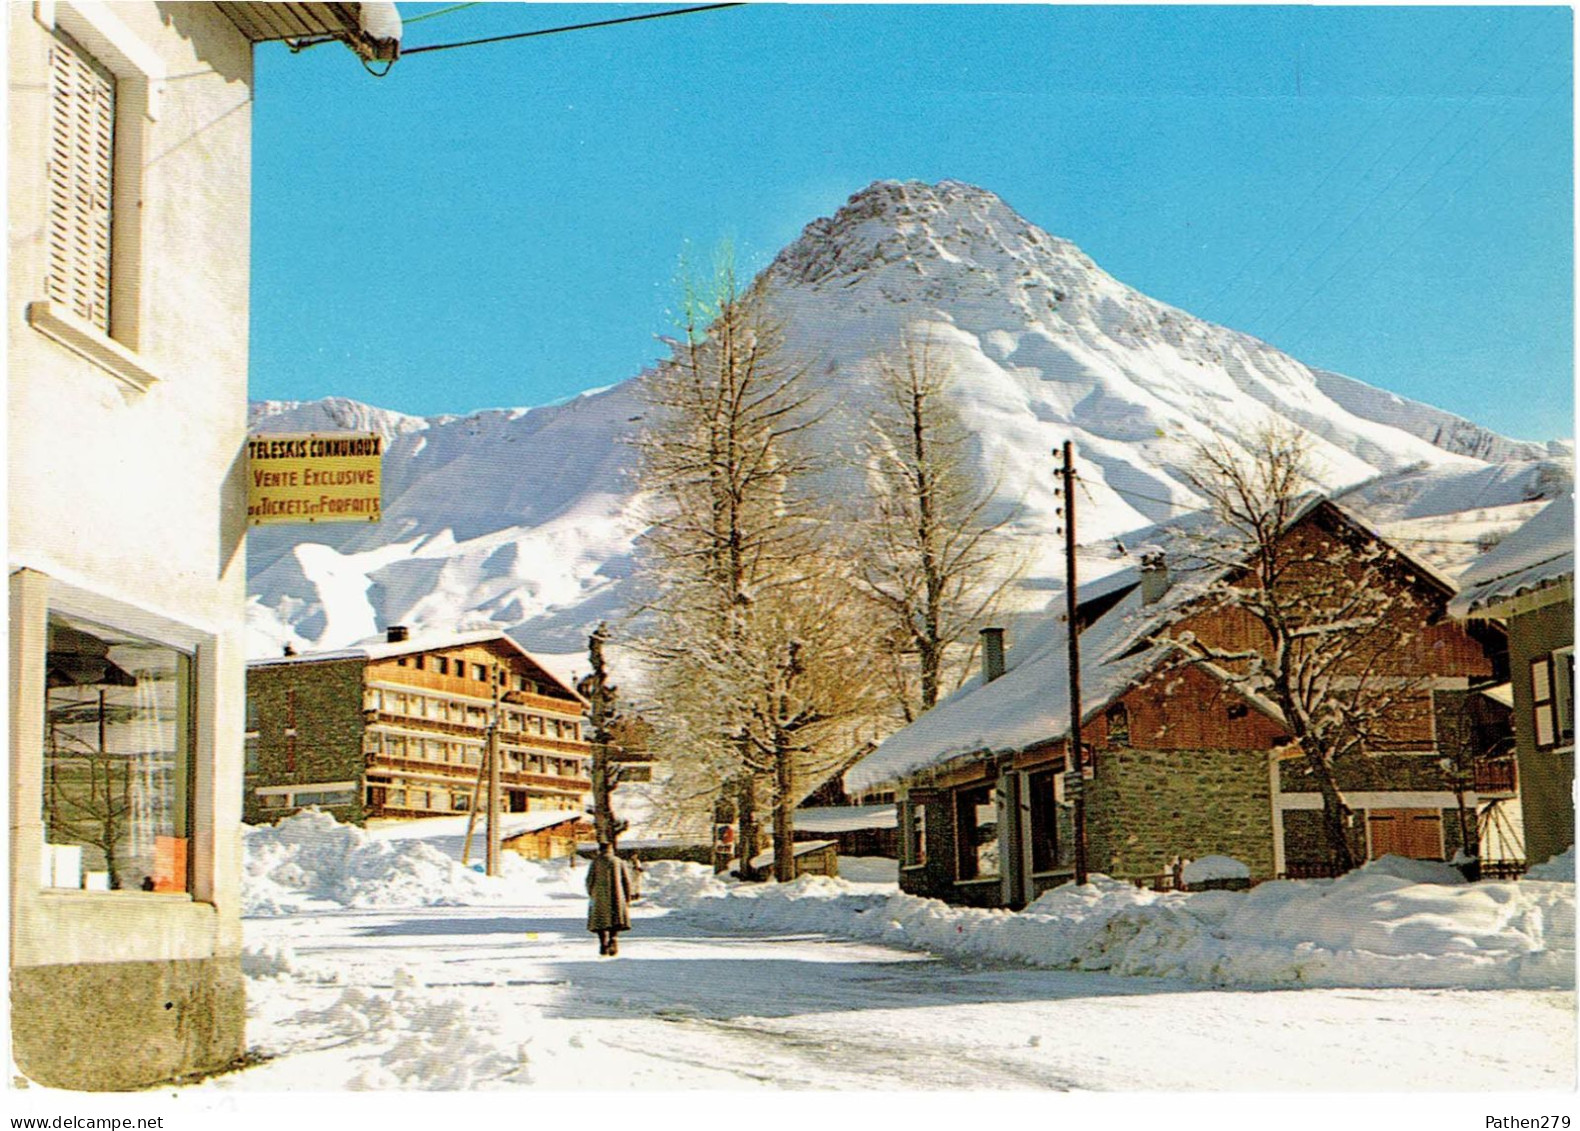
1543	713
1414	833
80	171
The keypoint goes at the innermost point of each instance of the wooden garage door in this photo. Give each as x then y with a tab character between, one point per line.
1416	833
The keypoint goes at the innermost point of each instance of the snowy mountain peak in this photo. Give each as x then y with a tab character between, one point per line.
333	414
914	222
528	520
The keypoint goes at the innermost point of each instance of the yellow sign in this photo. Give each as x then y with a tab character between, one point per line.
313	477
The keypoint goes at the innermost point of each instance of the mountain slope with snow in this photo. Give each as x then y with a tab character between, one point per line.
526	519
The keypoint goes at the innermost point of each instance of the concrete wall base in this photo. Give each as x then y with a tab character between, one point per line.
118	1025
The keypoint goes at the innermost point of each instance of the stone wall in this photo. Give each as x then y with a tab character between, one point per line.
151	1021
1145	807
936	878
1370	773
329	729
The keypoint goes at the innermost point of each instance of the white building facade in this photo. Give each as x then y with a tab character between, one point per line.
129	183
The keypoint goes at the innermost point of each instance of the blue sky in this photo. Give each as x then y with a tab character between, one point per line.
1386	192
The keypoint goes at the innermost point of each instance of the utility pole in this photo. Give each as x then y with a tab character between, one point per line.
601	715
491	857
1075	764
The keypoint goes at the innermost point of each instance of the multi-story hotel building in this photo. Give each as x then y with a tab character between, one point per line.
399	728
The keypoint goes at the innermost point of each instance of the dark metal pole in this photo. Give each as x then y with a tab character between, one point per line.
1076	761
492	844
600	716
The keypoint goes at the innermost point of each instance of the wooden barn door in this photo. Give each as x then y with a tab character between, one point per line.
1415	833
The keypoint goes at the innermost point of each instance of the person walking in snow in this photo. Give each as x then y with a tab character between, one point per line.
609	899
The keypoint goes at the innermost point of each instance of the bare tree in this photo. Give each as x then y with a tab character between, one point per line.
741	634
928	555
1329	621
90	787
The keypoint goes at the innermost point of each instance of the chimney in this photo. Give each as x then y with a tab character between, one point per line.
397	634
289	650
1154	577
992	654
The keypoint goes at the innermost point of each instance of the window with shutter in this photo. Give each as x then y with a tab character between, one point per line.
1543	713
80	176
1564	693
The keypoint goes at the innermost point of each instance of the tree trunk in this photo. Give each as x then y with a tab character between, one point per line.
784	826
746	840
1334	812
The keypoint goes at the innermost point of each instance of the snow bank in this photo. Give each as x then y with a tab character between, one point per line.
1560	867
311	862
1393	923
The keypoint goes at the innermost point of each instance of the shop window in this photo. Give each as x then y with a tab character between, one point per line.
324	797
118	760
916	833
976	826
1051	821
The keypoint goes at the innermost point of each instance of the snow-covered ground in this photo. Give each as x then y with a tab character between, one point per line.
379	963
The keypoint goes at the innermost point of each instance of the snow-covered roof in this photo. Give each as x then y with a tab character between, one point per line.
1538	555
510	824
381	648
1029	704
845	818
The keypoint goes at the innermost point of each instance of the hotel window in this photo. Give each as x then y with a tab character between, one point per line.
118	760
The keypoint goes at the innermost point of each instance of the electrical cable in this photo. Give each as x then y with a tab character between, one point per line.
409	20
1302	208
1443	200
568	27
1295	279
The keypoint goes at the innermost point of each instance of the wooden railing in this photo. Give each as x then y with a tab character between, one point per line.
1496	775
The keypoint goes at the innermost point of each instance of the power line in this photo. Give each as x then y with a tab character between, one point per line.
1267	309
568	27
409	20
1300	210
1508	135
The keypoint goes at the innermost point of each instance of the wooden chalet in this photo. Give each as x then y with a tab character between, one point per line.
399	727
1185	762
